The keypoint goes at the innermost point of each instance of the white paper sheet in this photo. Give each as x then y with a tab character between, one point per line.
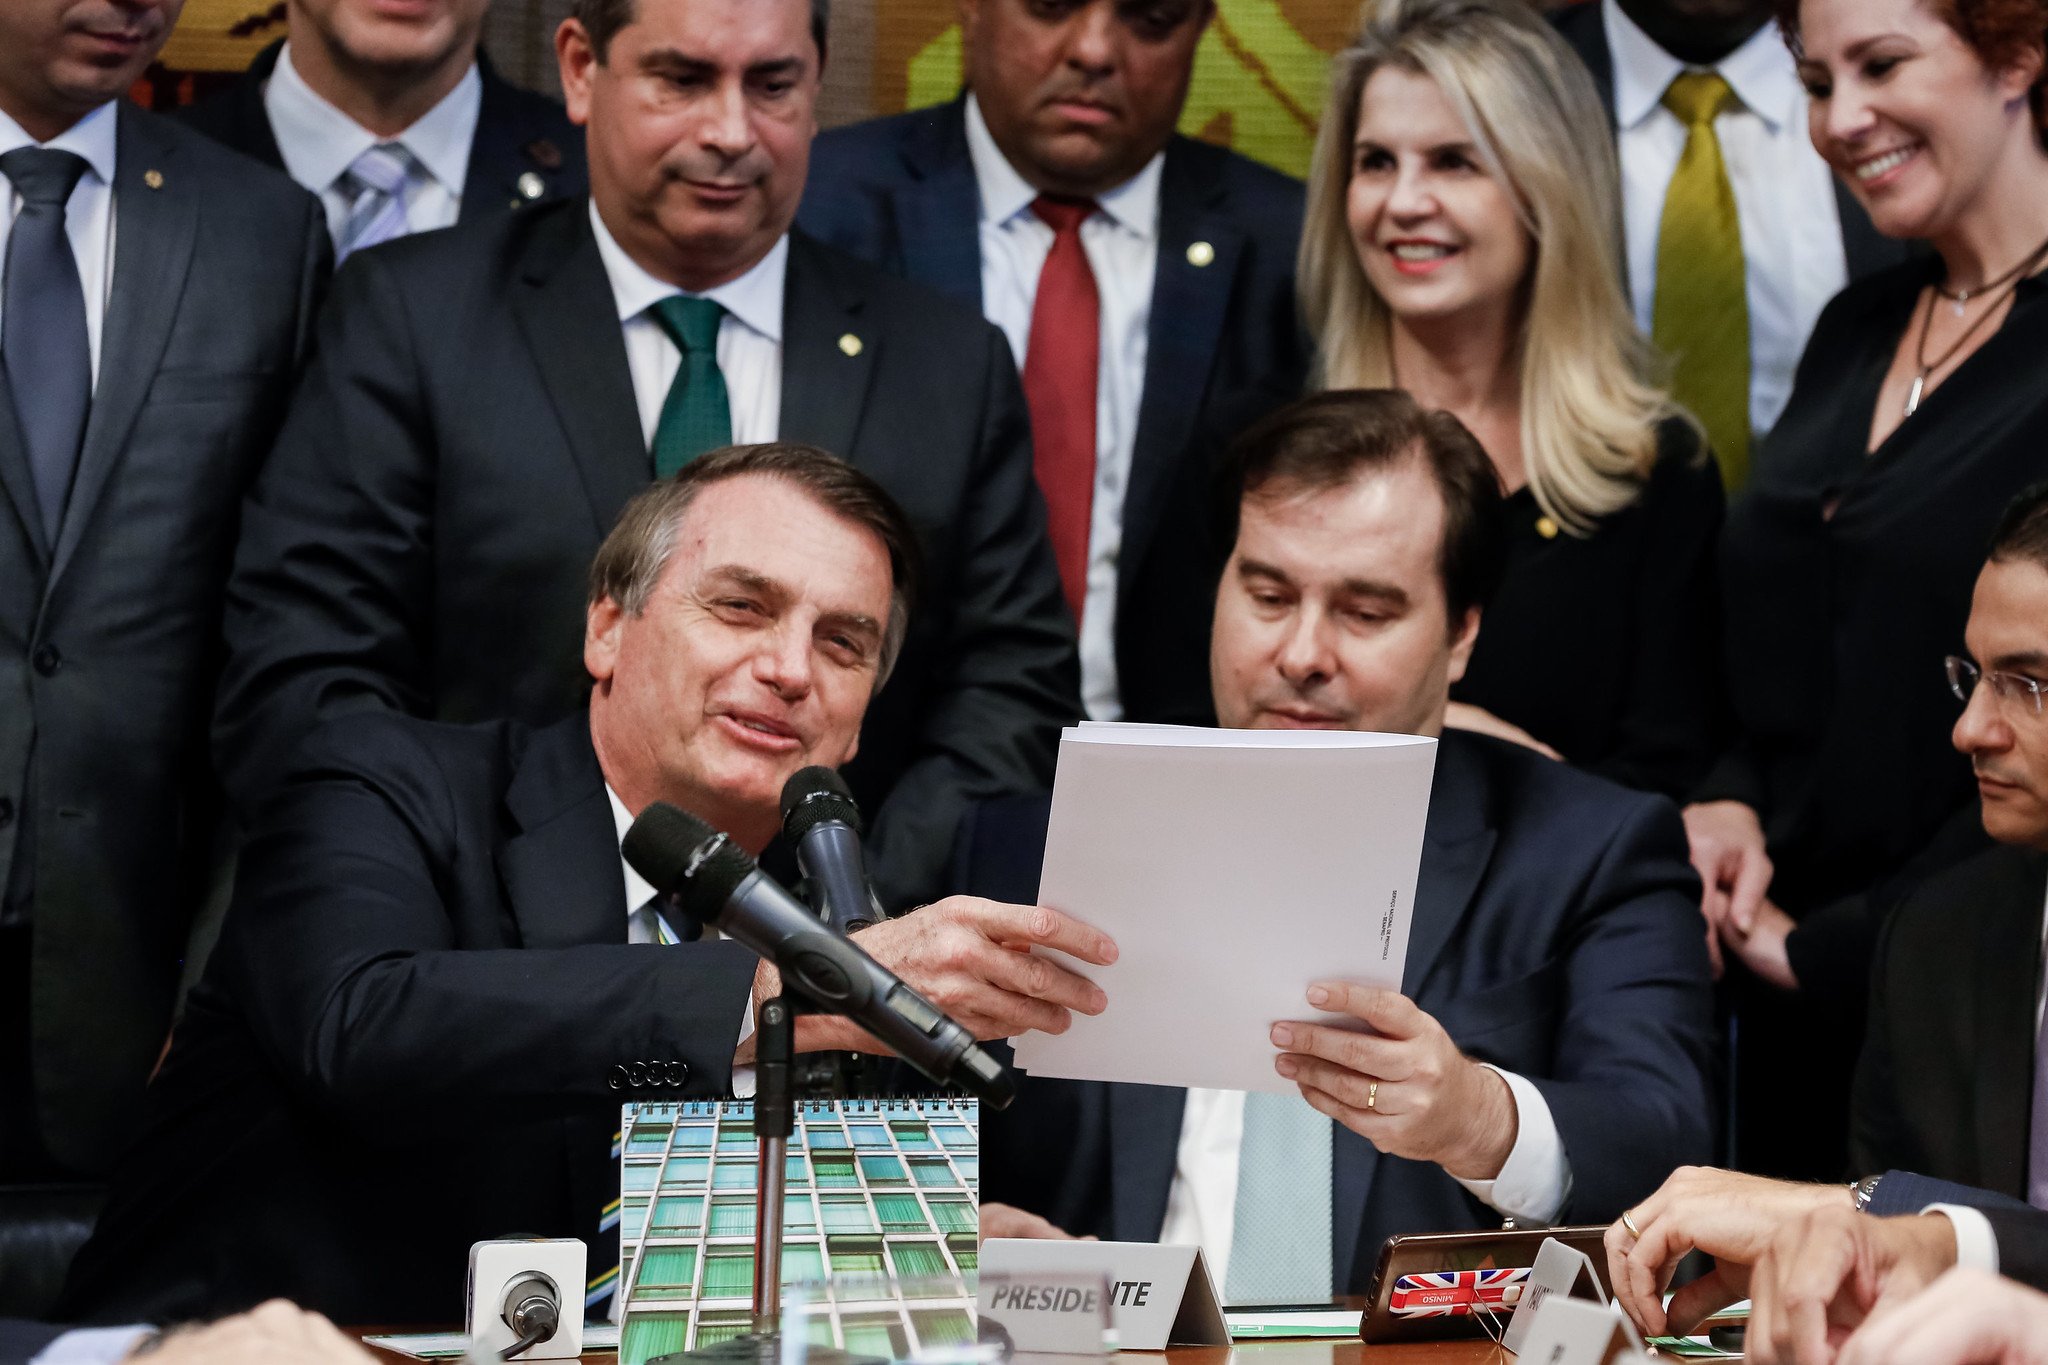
1233	868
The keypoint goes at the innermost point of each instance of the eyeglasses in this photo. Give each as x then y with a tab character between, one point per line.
2010	688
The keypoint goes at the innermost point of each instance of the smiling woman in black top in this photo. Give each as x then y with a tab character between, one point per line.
1461	244
1920	408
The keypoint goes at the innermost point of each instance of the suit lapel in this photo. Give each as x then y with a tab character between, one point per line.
1457	844
561	872
563	300
1353	1163
828	358
938	213
1189	304
254	135
2008	981
1144	1140
507	145
154	231
18	482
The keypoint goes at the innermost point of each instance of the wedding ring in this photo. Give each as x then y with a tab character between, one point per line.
1372	1096
1630	1224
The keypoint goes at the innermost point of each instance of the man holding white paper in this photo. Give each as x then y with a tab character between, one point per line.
1548	1056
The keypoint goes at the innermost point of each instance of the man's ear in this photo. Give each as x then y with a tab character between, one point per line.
603	623
577	61
1462	640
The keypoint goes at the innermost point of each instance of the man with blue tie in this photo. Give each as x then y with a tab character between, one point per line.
1548	1056
1144	280
393	116
157	295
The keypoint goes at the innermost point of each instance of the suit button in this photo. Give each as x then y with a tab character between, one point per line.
636	1075
47	660
679	1074
617	1079
6	812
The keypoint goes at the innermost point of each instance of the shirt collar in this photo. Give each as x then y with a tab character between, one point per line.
1133	205
92	137
1761	72
319	142
755	298
639	890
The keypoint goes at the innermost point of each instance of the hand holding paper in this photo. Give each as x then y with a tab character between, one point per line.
1403	1086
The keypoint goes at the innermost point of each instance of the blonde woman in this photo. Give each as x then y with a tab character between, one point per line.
1461	244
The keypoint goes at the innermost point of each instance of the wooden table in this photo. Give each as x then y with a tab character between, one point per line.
1311	1352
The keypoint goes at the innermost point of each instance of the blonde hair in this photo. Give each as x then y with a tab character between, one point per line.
1590	402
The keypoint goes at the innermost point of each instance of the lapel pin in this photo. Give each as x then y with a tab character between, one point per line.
531	186
1546	528
154	179
850	344
1200	254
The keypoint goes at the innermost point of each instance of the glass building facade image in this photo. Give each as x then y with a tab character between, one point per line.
880	1215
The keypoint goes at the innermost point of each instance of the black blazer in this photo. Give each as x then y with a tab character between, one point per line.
518	134
1864	248
1556	935
414	1034
1947	1070
468	434
109	636
1224	344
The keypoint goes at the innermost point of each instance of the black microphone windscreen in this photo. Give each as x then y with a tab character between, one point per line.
814	795
680	854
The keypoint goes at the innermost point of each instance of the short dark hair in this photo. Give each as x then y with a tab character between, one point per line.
2022	532
1327	440
633	557
601	19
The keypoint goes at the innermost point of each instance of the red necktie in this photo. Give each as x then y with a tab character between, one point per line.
1059	384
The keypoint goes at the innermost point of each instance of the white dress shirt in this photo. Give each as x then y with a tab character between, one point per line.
1201	1205
1122	246
88	215
319	143
749	337
1784	193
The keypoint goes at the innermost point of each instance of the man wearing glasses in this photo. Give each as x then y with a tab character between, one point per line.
1953	1079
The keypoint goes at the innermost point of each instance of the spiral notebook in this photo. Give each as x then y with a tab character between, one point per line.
881	1209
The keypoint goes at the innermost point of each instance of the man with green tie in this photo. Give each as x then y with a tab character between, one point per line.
485	400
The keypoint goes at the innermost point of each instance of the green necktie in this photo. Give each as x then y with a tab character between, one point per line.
696	416
1701	319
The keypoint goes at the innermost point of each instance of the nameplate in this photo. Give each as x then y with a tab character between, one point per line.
1580	1332
1157	1296
1559	1271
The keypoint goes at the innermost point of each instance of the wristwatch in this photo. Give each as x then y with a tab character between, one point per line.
1863	1191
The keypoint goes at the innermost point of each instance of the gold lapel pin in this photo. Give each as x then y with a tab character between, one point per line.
850	344
1200	254
153	179
1546	528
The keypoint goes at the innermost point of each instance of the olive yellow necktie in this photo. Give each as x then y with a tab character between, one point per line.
1701	318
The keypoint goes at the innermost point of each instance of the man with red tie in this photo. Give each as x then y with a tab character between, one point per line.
1145	282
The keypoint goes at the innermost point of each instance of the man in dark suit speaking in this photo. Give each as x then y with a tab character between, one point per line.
483	402
439	980
1549	1054
1145	282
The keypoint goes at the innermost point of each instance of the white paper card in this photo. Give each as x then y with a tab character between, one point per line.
1192	846
1579	1332
1559	1270
1158	1295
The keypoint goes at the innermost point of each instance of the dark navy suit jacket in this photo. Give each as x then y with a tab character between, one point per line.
518	133
1556	935
1224	345
20	1341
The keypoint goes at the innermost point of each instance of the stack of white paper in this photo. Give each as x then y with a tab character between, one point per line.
1233	868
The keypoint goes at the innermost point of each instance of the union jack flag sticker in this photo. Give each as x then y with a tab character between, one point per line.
1453	1293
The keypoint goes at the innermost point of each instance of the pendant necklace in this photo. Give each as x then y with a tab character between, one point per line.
2006	283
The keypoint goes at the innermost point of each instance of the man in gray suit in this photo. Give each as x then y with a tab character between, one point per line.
158	292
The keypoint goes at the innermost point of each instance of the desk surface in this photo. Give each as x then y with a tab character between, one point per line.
1325	1352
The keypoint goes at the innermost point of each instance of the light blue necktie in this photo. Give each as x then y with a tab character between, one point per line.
375	186
1280	1237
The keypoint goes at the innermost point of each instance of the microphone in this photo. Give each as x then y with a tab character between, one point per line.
821	821
716	882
